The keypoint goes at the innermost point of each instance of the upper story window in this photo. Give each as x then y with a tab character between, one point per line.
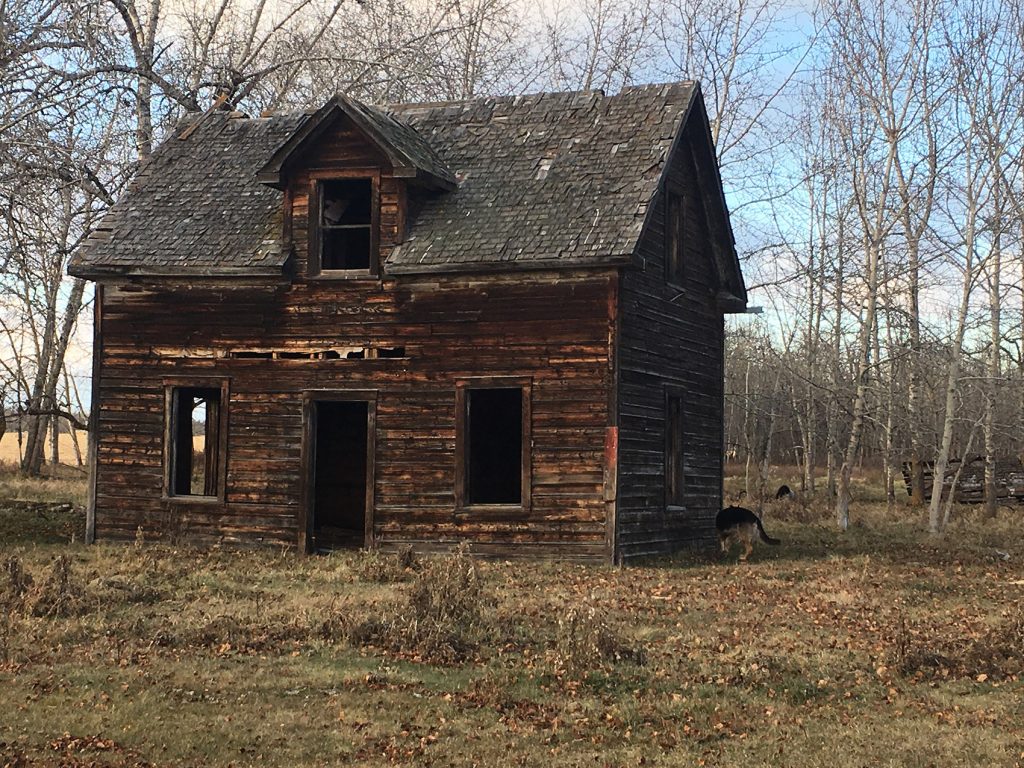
346	238
675	232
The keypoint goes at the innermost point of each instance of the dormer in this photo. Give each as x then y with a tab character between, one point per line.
348	172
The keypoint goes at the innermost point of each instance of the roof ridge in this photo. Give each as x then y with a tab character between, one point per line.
655	86
390	108
492	97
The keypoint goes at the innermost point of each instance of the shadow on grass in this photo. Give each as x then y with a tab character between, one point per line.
899	538
807	532
33	522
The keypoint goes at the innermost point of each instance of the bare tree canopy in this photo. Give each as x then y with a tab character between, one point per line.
871	154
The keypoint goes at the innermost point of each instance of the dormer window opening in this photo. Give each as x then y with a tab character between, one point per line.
346	224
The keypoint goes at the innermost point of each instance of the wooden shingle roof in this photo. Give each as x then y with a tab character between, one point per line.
558	179
195	207
547	180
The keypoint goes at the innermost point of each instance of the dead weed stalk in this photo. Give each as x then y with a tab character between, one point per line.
378	567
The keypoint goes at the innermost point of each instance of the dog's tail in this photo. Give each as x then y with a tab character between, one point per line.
764	534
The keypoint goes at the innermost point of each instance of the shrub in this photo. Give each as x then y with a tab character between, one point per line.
995	652
61	594
446	607
442	619
58	595
585	643
797	509
407	558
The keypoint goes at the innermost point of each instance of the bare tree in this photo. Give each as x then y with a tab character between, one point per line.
596	44
45	219
167	61
983	108
878	60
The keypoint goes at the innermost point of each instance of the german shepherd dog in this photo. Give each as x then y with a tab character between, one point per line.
740	524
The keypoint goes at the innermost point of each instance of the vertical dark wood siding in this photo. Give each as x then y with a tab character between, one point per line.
670	338
552	327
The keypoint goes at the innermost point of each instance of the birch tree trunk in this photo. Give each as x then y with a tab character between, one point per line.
860	399
994	370
935	519
832	414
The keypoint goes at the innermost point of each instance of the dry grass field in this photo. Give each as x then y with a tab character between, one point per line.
878	647
9	453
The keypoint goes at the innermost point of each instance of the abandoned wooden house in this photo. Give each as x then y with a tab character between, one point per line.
497	320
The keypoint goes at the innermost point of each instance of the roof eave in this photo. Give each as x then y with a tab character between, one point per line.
427	179
556	263
101	272
273	179
731	304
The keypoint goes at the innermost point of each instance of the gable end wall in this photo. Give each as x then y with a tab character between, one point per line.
670	340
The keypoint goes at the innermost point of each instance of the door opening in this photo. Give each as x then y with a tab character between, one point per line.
341	472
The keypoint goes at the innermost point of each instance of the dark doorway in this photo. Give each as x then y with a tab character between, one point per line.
340	479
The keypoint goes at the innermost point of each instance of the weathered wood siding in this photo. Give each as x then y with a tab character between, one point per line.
552	327
670	338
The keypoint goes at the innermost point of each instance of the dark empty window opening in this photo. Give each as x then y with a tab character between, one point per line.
195	441
346	220
494	446
675	231
392	352
674	477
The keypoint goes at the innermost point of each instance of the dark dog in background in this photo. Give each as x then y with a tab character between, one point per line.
741	524
784	492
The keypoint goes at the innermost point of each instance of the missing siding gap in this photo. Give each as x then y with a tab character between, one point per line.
342	353
189	352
